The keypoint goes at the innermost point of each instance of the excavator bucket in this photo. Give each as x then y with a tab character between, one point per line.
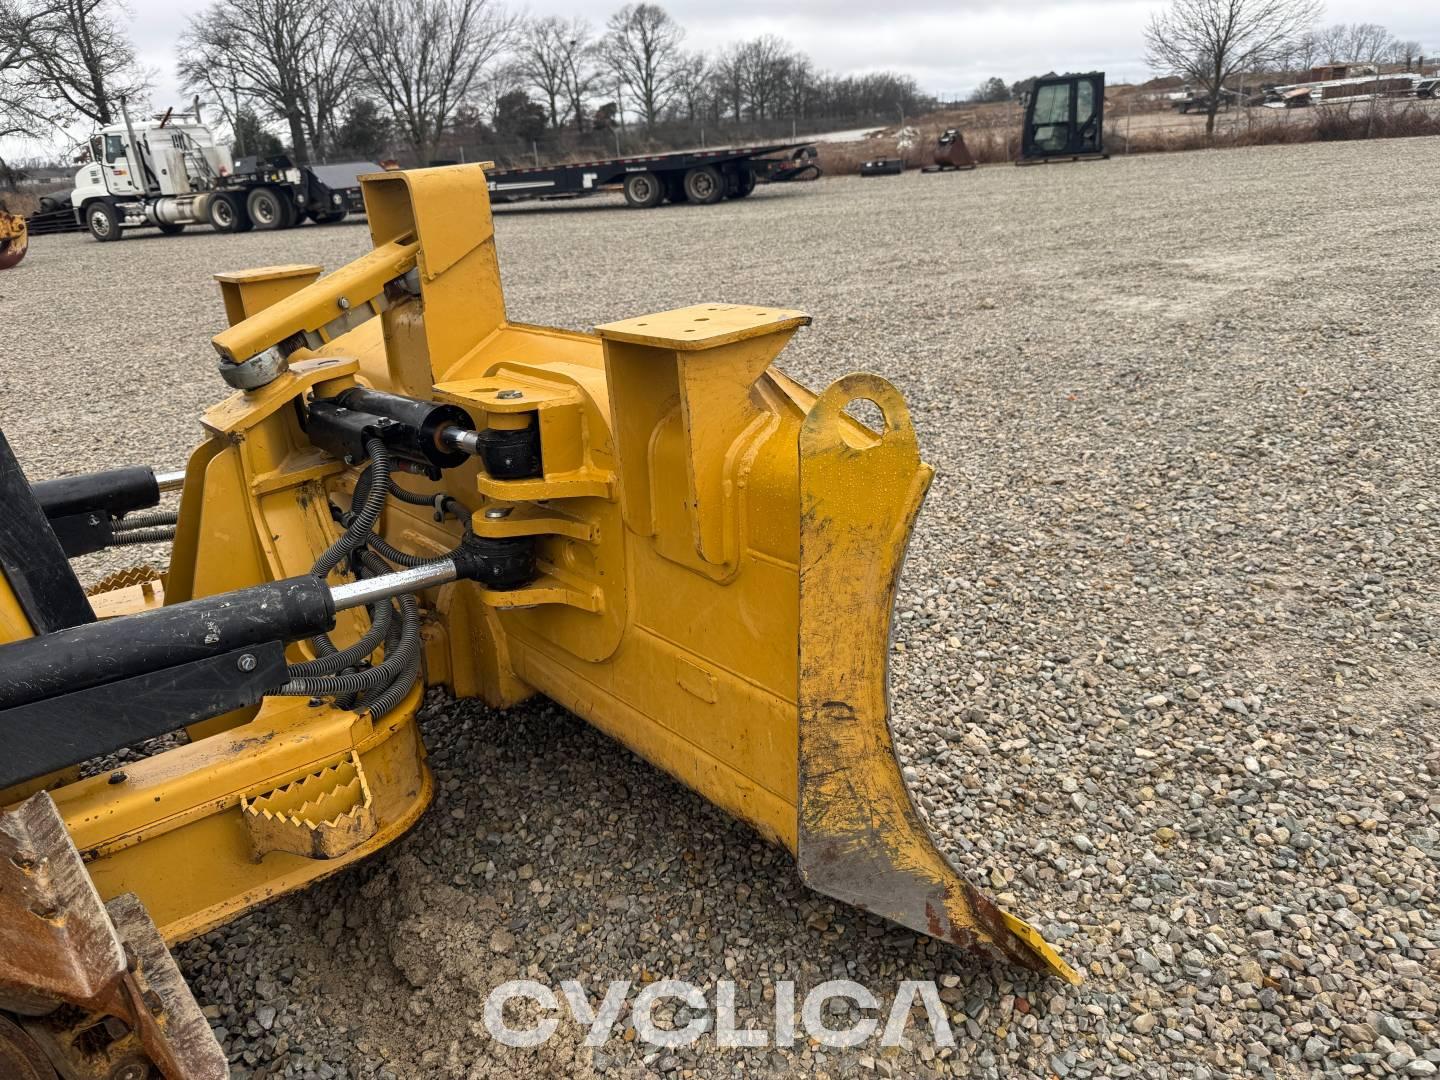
650	524
14	239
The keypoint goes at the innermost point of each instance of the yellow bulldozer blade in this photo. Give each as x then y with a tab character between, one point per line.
662	532
861	839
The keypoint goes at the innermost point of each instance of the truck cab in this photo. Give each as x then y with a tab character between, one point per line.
152	172
168	172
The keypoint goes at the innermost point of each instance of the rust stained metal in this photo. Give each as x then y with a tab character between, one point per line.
67	962
860	837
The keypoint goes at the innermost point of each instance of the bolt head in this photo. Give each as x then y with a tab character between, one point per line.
247	662
496	513
344	304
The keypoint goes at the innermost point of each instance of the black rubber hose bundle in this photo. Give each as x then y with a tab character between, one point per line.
331	662
385	684
396	662
369	501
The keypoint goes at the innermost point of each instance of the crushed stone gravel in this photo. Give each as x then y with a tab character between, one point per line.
1164	668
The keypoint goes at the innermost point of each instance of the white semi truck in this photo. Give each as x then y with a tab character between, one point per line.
168	172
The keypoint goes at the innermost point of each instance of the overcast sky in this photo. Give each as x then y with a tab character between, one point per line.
947	45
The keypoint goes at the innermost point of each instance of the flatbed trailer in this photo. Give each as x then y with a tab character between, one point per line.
697	176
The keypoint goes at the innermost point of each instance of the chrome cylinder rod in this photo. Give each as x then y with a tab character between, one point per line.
456	438
170	481
368	590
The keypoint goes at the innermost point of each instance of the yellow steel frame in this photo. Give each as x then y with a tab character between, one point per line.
717	555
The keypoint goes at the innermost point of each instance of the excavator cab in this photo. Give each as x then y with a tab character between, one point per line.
1064	119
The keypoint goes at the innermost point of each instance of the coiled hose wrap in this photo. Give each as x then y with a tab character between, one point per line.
341	673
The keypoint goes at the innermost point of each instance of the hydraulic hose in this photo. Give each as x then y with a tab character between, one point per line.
160	535
331	662
386	684
364	518
450	504
381	704
381	675
369	500
152	519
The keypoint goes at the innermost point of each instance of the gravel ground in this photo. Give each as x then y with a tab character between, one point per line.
1165	666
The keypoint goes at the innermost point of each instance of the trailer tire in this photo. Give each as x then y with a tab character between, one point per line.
741	181
330	217
266	209
170	228
293	214
704	185
103	221
227	214
643	190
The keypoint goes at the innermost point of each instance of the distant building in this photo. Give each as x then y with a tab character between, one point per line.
46	176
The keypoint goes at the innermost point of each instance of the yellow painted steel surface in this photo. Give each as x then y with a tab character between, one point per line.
717	553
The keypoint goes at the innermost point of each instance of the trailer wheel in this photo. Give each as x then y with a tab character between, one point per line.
227	215
643	190
293	214
742	181
104	222
169	228
266	209
704	185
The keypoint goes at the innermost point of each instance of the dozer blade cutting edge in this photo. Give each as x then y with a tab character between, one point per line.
650	524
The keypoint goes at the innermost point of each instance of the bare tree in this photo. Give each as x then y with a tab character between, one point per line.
79	56
1367	43
728	83
422	58
209	69
642	49
329	72
799	85
20	113
1305	53
1356	43
581	77
765	64
692	96
289	58
1334	43
552	55
1404	52
1209	41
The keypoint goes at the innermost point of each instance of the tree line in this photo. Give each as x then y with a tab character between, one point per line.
412	72
359	77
